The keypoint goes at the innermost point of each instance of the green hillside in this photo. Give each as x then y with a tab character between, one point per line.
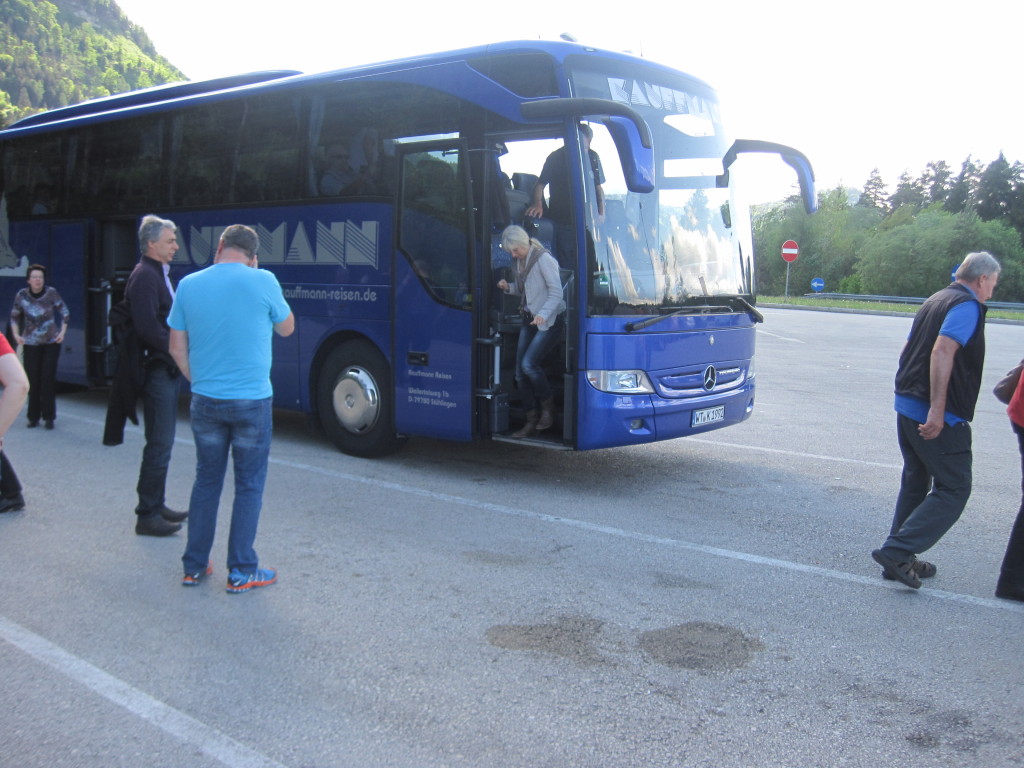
59	52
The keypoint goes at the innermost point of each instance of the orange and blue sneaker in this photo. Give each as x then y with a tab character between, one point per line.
193	579
243	582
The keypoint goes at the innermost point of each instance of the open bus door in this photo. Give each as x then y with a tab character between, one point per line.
434	326
111	259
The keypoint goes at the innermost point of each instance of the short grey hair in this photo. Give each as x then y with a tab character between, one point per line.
242	238
150	229
977	264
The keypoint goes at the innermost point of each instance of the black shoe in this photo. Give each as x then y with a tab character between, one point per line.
172	516
153	524
33	424
12	503
903	572
1010	591
922	568
48	424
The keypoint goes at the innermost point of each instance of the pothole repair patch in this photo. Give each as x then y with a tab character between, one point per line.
570	636
700	645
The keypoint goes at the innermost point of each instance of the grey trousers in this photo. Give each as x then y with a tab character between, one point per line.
934	488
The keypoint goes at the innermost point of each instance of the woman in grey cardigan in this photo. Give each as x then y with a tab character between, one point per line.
537	282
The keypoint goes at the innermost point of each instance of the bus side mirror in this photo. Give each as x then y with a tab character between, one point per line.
792	157
637	160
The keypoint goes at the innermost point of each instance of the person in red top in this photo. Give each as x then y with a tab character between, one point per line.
1011	575
15	384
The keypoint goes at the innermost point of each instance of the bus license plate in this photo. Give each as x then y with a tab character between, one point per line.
708	416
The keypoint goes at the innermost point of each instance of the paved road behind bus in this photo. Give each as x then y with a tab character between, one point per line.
705	602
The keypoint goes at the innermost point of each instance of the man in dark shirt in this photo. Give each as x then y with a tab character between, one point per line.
937	387
555	174
150	294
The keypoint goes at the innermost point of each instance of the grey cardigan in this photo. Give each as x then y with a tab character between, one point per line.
543	287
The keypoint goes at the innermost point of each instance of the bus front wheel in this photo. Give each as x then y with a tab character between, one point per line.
354	401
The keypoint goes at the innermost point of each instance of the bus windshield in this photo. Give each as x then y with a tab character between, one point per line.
687	242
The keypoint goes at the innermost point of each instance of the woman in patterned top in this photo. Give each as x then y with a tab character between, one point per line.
39	320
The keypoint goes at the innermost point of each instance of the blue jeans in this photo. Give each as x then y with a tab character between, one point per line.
244	427
934	487
160	413
533	347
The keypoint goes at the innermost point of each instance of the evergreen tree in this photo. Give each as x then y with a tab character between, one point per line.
994	196
909	192
875	194
961	192
935	181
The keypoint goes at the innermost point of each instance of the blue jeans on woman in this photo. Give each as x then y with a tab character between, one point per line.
244	427
533	347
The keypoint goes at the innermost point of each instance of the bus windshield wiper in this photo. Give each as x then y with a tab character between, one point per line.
758	317
694	309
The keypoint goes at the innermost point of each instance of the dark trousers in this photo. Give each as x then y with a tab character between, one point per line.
934	488
1012	571
41	367
160	413
9	484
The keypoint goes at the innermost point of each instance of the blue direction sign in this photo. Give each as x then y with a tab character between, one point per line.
818	284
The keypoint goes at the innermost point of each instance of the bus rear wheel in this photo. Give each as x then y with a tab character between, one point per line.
354	401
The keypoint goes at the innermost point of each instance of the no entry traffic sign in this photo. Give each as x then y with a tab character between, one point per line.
790	250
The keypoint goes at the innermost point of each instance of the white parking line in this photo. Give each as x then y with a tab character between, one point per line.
186	729
796	454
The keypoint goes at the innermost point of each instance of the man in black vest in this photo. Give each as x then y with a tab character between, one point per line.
937	387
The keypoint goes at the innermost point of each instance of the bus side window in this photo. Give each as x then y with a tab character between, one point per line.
433	224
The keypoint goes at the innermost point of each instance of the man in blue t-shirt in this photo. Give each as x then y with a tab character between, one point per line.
937	387
221	324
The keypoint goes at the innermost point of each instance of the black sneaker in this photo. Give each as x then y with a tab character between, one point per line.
154	524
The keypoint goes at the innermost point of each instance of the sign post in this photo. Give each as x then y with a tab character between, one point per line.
790	252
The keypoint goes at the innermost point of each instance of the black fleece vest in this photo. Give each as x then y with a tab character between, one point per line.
914	375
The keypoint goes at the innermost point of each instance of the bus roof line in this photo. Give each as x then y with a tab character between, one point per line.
154	95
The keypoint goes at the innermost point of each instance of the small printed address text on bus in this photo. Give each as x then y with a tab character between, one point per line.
435	397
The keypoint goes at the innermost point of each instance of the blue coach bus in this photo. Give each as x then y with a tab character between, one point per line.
380	193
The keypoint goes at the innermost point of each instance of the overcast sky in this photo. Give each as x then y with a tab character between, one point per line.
855	86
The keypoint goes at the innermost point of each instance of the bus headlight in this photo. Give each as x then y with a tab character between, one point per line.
620	382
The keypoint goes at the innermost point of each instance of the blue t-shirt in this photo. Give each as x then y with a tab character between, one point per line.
959	325
229	312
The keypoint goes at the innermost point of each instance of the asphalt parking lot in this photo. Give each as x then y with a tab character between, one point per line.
704	602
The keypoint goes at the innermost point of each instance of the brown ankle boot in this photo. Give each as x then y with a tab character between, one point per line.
547	414
529	427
